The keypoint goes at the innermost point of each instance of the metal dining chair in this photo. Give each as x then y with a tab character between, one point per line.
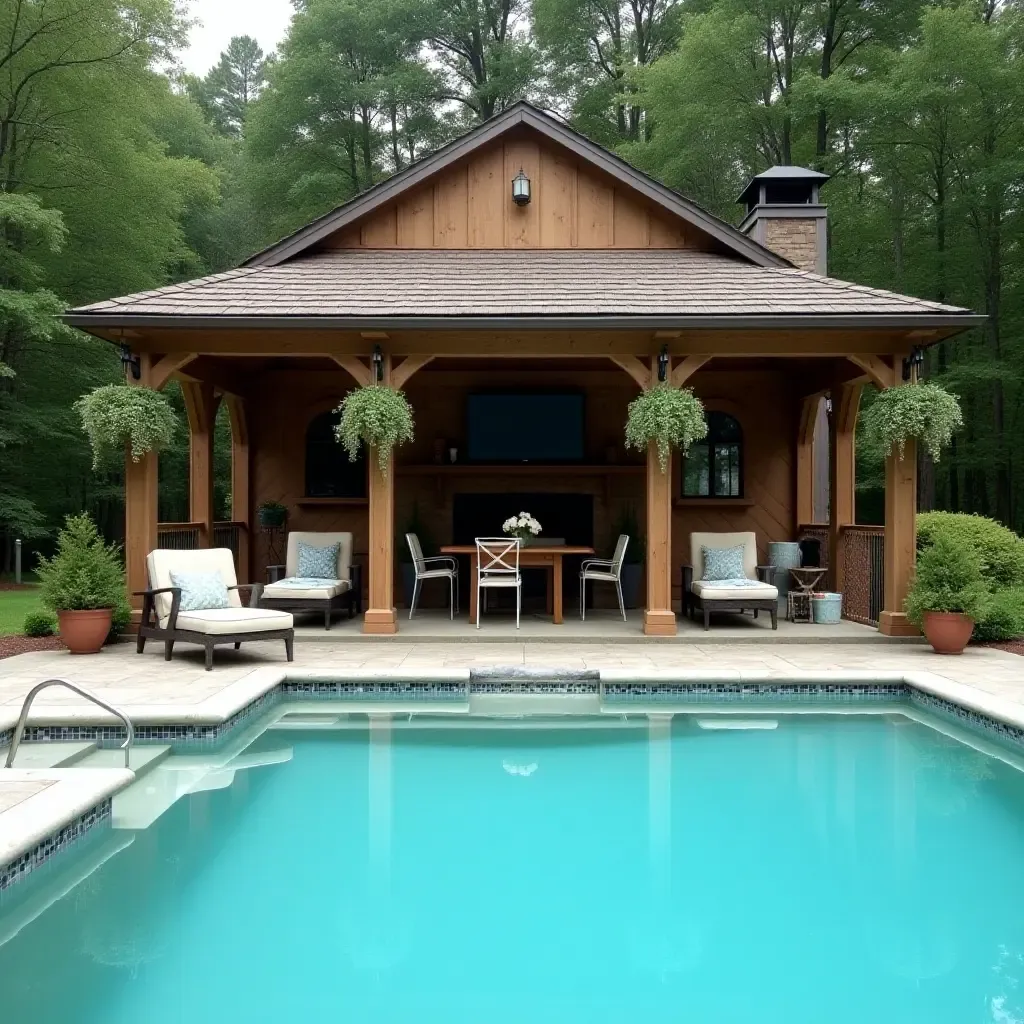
604	570
438	567
497	560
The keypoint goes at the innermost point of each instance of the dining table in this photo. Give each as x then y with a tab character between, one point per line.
531	556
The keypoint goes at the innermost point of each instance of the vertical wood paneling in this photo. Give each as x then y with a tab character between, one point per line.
632	230
488	194
451	205
348	238
381	230
557	200
416	220
594	212
665	234
522	223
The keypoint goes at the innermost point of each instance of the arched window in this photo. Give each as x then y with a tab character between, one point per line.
714	467
329	473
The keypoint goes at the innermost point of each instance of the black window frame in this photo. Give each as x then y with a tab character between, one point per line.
724	431
328	472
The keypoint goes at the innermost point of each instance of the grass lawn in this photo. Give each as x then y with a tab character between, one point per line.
14	606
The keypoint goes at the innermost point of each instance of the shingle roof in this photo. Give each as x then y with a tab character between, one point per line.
512	283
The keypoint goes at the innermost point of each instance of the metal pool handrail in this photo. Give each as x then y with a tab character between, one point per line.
19	729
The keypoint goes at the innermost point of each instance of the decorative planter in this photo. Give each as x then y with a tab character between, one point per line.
83	632
948	632
826	609
272	518
632	573
784	555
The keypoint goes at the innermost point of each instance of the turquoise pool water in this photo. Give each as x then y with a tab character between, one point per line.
836	868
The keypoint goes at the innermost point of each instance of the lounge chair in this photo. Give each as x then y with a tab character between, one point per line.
164	619
753	591
288	591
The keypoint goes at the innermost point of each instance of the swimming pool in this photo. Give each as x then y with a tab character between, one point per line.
828	867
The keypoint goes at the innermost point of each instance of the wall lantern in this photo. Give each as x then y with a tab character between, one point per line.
913	363
130	363
520	188
663	364
377	362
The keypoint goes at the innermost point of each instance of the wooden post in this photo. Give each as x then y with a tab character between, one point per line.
140	509
380	616
842	429
805	461
241	499
201	406
900	539
659	618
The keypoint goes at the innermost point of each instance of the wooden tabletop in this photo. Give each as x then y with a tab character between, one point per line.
546	549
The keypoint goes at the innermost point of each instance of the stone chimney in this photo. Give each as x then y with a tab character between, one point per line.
784	215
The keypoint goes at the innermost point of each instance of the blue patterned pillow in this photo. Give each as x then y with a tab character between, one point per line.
201	591
318	563
723	563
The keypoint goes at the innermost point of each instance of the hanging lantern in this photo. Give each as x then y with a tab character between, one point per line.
520	189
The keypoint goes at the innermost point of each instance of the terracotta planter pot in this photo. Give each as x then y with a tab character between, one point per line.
83	632
948	632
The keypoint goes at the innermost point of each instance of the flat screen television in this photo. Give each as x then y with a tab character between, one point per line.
538	426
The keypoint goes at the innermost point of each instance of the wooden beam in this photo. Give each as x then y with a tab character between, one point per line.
842	431
406	368
686	369
201	407
380	615
634	366
355	366
659	618
241	499
882	373
805	459
161	371
900	539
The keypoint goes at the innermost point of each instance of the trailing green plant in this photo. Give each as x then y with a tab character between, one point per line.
924	412
1004	619
378	416
948	579
271	513
667	416
40	624
116	417
85	572
1001	550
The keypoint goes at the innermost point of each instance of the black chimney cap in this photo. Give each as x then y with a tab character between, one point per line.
786	180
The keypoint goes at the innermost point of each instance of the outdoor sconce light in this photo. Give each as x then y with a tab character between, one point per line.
913	363
520	189
130	363
377	361
828	405
663	364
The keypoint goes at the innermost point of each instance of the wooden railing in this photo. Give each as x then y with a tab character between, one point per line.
187	536
863	572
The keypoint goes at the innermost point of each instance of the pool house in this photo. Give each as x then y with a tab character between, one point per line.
522	285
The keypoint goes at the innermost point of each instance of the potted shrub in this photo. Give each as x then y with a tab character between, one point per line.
949	594
633	565
122	417
668	417
378	416
925	412
84	584
272	515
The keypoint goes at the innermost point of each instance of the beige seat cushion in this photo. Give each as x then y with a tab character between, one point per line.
163	561
276	591
700	540
320	540
235	620
712	590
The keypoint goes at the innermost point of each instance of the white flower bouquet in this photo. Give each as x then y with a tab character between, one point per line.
523	526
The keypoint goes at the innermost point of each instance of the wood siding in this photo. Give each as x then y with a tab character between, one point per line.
284	401
469	206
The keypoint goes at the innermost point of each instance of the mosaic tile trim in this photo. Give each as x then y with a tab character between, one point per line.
699	693
990	728
71	833
336	689
549	686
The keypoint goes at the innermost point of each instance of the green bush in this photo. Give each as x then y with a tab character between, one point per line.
1001	550
1004	619
40	624
948	579
84	573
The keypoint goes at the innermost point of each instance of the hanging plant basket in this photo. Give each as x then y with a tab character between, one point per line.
668	417
378	416
923	412
118	418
